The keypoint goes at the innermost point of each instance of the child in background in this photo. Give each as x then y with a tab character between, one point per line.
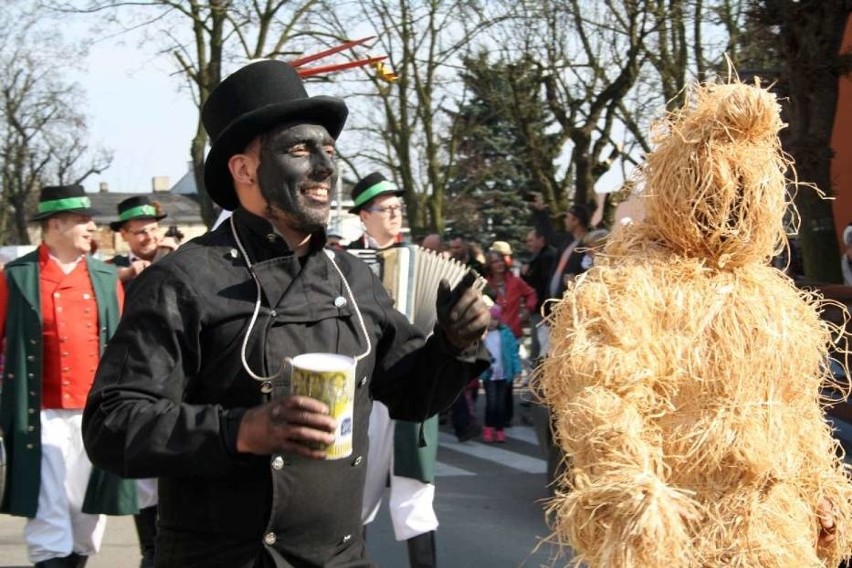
505	366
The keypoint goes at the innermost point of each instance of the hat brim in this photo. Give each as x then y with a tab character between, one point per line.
329	112
87	211
117	225
396	192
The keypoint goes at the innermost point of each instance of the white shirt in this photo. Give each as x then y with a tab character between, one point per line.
494	346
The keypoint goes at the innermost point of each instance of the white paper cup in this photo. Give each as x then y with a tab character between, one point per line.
330	378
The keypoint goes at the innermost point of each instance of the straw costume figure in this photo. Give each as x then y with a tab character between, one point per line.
685	372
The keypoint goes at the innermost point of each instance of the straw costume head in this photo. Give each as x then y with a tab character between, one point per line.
685	373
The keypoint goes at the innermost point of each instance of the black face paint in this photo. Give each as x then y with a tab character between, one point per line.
297	174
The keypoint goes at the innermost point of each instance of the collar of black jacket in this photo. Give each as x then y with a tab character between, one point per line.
267	242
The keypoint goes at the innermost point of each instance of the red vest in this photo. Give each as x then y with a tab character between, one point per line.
70	334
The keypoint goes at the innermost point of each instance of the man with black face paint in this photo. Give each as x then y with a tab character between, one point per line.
194	386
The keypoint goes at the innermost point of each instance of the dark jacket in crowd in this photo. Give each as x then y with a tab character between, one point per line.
560	240
170	392
539	270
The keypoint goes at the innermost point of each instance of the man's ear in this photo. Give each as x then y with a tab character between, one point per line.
243	168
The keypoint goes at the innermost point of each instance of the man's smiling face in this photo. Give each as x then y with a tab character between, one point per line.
296	174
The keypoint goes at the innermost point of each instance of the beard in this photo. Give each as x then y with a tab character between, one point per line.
299	212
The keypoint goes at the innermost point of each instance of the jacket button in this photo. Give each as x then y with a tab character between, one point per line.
269	538
363	381
30	358
31	410
57	295
347	538
29	446
277	463
357	461
234	253
272	313
10	375
30	428
266	387
339	302
33	342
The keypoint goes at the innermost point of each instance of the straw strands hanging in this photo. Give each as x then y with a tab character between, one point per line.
685	373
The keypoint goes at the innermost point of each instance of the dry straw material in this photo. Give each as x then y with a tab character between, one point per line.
685	374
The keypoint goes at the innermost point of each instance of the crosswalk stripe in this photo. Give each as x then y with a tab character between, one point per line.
505	458
522	434
445	470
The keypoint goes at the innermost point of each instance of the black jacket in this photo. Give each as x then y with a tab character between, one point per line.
170	392
561	240
539	271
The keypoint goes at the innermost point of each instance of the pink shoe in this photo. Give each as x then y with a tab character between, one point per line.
488	434
501	436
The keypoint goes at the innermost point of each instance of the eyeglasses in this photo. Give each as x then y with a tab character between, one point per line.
141	232
386	209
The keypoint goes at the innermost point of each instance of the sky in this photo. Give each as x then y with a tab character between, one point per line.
137	110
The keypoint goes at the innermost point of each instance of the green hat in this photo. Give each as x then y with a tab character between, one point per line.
138	207
55	199
371	187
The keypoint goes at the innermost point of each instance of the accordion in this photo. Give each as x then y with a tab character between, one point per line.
411	275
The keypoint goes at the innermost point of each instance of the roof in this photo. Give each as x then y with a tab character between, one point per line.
181	209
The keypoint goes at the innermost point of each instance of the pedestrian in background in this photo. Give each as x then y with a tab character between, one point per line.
398	457
516	299
463	251
433	242
58	308
505	368
139	227
537	273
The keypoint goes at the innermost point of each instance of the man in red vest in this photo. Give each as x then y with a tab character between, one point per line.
58	306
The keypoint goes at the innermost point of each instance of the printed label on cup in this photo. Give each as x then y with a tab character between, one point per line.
329	378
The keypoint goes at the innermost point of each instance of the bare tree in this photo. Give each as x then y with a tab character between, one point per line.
204	37
808	35
406	127
590	54
42	132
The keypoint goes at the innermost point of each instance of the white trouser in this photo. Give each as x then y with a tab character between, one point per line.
543	333
410	502
59	527
146	492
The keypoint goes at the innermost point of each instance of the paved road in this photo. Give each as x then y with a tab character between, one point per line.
489	502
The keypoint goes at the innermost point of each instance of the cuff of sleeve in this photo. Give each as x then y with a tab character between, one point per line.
467	355
230	423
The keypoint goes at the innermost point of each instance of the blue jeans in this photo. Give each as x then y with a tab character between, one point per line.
495	404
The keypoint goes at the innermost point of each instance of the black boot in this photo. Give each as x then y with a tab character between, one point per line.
53	563
75	560
146	528
421	550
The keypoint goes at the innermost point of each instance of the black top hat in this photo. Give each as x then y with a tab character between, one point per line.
252	100
370	187
55	199
139	207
